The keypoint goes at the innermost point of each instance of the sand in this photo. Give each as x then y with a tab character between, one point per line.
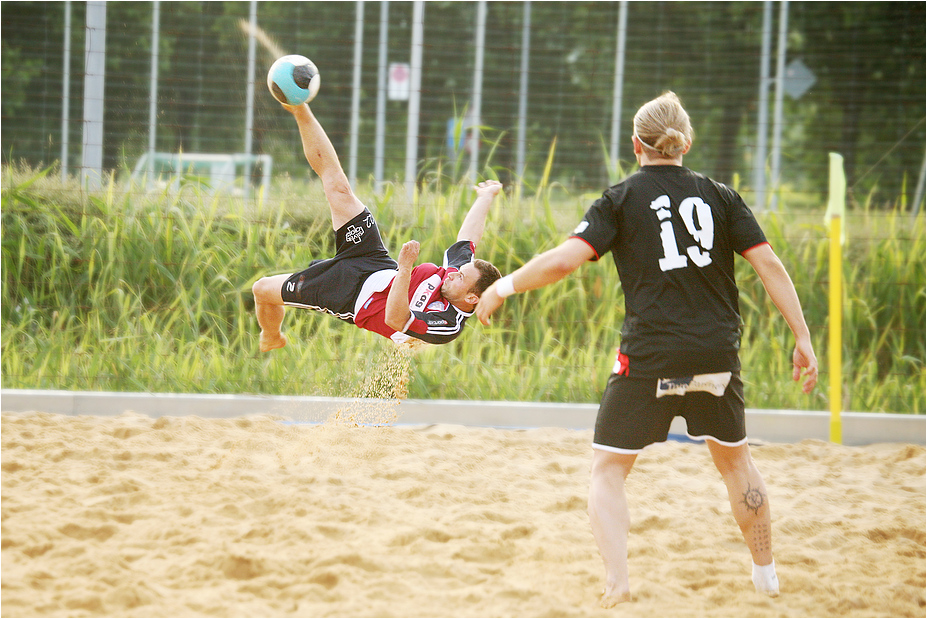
191	517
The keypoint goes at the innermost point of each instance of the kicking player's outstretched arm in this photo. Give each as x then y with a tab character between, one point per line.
472	227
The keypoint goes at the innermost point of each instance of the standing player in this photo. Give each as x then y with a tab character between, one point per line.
673	234
362	284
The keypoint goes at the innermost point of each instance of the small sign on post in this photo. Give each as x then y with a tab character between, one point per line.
400	83
798	79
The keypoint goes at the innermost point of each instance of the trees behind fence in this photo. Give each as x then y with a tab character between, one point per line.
772	87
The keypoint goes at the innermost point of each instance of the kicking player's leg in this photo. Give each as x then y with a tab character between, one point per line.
269	308
322	157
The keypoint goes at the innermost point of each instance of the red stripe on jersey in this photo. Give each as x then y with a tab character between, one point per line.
597	256
744	252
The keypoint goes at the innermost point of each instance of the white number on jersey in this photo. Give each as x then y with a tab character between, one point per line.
696	215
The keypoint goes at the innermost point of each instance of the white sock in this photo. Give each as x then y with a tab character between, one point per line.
765	579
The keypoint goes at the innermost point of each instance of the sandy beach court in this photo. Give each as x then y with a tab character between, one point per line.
190	517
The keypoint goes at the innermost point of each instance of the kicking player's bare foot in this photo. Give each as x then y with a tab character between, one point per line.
268	343
613	598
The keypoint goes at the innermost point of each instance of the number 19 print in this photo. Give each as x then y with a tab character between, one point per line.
696	215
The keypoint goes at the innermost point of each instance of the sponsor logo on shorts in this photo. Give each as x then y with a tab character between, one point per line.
714	384
354	234
291	286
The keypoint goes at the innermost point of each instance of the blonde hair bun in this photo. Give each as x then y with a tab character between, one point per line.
663	125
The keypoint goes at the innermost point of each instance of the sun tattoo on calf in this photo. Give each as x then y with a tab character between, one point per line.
754	499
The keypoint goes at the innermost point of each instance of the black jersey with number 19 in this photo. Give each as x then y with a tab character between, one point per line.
673	234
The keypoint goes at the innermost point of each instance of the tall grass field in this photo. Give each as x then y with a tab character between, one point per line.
126	290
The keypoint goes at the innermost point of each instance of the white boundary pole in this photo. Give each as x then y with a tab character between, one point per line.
94	87
66	91
381	96
523	97
477	104
762	122
355	93
619	80
418	26
153	90
777	114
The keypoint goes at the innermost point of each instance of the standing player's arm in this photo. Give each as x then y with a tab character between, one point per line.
397	301
781	290
547	268
472	227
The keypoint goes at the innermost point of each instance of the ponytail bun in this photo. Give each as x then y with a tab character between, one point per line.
663	125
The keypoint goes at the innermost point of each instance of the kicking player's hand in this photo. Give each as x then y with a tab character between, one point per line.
489	189
408	254
489	302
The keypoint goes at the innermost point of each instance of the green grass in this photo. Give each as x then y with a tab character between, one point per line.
124	291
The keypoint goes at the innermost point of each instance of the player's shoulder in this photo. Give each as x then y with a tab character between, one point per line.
640	182
426	268
725	190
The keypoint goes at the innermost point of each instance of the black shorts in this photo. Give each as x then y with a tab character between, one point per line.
332	285
631	416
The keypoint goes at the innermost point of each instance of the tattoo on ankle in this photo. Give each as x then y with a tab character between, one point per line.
754	499
761	541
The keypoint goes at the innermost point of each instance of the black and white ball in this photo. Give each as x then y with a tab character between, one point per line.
293	80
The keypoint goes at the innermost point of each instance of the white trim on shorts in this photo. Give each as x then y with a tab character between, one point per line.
708	437
619	450
634	452
323	310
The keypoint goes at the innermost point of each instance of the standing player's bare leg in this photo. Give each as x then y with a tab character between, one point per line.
269	309
750	504
611	522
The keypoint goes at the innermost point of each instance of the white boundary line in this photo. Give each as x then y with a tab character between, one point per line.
782	426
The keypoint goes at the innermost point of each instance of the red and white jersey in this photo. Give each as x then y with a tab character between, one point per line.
434	320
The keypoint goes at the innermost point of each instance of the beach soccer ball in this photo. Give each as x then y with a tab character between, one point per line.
293	80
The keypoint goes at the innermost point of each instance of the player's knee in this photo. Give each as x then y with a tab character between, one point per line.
609	465
731	461
336	186
260	288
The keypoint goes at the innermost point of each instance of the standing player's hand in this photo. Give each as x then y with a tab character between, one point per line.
803	359
489	302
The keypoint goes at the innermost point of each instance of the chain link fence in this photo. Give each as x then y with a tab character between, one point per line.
771	87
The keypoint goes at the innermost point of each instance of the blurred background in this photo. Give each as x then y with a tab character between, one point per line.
817	77
149	178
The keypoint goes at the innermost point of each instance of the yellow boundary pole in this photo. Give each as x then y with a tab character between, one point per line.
836	208
835	344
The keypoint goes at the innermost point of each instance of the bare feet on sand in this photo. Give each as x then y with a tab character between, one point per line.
614	598
268	342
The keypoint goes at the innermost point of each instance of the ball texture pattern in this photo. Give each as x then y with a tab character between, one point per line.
293	80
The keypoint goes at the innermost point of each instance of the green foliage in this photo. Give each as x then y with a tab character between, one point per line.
125	291
16	70
867	102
